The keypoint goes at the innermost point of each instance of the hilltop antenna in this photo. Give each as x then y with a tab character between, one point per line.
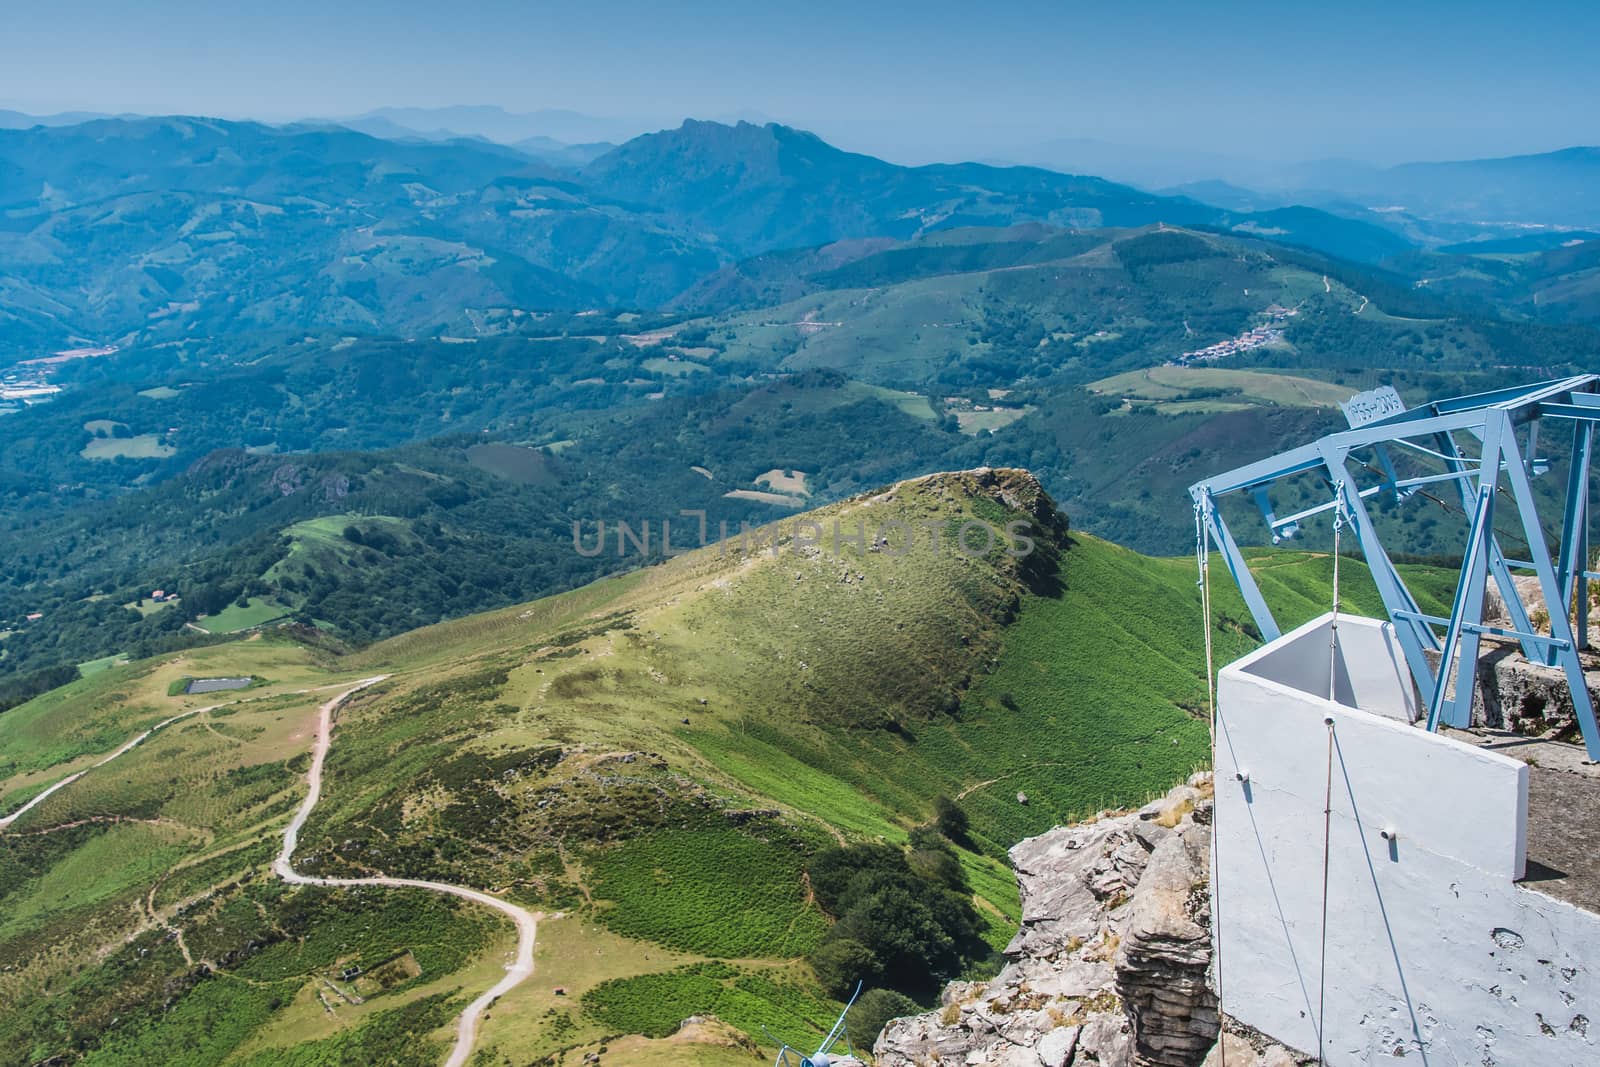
821	1057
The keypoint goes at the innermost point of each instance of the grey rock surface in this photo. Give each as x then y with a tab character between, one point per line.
1109	966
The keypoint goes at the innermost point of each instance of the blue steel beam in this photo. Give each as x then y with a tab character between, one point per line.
1497	558
1234	559
1415	638
1283	465
1560	623
1574	552
1471	563
1469	588
1584	398
1371	491
1483	628
1309	457
1580	412
1391	476
1468	607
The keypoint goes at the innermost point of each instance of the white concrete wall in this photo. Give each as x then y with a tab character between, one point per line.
1370	668
1434	954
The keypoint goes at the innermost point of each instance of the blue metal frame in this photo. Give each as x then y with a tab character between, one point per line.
1500	472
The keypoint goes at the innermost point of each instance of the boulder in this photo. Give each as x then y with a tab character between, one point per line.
1055	1048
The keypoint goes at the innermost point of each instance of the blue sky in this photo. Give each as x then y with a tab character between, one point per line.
1381	82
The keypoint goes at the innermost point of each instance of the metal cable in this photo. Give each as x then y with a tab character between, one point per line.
1203	561
1327	830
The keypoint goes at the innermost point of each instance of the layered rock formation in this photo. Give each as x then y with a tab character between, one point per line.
1110	965
1166	948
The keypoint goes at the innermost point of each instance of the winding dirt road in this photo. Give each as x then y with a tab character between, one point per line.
527	921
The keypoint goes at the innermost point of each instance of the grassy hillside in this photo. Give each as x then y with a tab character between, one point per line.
1179	390
655	757
1545	276
987	307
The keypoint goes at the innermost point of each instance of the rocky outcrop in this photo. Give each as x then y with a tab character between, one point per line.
1110	966
1526	698
1166	950
1107	918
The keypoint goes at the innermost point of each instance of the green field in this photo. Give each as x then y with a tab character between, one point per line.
143	446
95	666
914	404
233	618
1173	390
102	427
673	368
976	422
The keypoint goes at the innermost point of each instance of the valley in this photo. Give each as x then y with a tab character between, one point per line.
289	480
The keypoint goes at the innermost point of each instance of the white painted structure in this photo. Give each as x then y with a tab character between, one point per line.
1434	953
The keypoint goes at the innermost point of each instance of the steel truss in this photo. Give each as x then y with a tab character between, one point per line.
1505	424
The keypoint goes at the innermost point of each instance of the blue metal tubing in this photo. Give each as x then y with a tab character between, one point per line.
1484	628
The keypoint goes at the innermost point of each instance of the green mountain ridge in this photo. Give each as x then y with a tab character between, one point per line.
636	754
1553	277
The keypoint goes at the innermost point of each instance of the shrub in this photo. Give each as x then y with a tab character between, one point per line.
842	962
951	819
913	925
872	1012
832	871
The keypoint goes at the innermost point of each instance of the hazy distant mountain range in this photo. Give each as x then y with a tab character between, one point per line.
507	127
1552	188
115	230
143	228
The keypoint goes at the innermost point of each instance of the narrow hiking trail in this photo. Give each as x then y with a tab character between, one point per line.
7	820
138	740
527	921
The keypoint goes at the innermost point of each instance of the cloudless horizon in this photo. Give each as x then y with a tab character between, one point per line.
1014	81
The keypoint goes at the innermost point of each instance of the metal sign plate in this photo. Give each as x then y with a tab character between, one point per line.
1372	405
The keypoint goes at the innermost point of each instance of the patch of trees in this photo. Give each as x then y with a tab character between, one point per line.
904	919
1163	246
21	688
871	1013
